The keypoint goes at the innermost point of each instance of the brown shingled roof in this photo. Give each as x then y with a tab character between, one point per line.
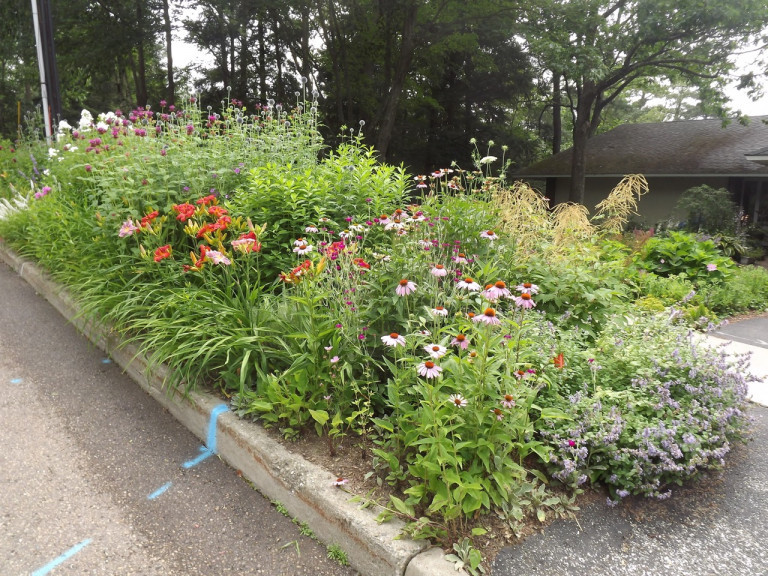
680	148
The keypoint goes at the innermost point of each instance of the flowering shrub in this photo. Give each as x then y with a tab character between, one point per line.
650	409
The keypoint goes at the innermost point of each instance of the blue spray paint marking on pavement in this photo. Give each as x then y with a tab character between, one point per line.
210	448
159	491
68	554
16	381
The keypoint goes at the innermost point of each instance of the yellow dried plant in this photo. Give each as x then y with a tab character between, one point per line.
621	203
570	222
524	213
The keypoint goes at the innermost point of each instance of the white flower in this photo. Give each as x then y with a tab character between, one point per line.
487	160
86	120
435	350
394	339
52	152
457	400
302	249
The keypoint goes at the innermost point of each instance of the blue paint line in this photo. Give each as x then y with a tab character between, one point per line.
66	556
212	426
106	360
159	491
16	381
210	450
205	454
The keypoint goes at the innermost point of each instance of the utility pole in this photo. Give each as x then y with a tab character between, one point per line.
46	61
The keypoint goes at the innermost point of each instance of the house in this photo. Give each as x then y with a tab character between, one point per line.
673	157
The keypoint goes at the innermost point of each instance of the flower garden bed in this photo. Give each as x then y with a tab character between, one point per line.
488	358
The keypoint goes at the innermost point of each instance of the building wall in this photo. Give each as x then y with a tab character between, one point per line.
654	207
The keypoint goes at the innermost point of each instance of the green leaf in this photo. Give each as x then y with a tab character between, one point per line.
321	416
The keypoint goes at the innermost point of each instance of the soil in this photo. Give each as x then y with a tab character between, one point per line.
353	462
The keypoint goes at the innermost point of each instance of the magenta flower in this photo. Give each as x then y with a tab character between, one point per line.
461	341
405	287
711	267
508	401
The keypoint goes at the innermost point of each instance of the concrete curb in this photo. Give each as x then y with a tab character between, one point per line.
305	489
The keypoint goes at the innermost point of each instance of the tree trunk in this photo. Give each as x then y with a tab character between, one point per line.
141	80
557	120
262	61
171	94
582	129
389	111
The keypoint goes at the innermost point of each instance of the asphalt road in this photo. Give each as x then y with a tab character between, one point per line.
91	470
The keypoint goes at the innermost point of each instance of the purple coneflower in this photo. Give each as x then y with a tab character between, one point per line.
435	350
405	287
487	317
524	301
394	339
429	369
468	284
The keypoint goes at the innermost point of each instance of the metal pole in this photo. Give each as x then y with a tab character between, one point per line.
41	66
49	52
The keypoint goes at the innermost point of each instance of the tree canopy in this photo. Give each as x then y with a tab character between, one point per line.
424	77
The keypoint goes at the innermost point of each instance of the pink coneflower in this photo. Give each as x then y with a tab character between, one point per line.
524	301
394	339
435	350
405	287
487	317
500	290
302	249
468	284
299	241
340	481
438	270
334	359
439	311
395	224
311	229
429	369
457	400
498	413
460	258
528	287
384	220
489	235
508	401
128	228
461	341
